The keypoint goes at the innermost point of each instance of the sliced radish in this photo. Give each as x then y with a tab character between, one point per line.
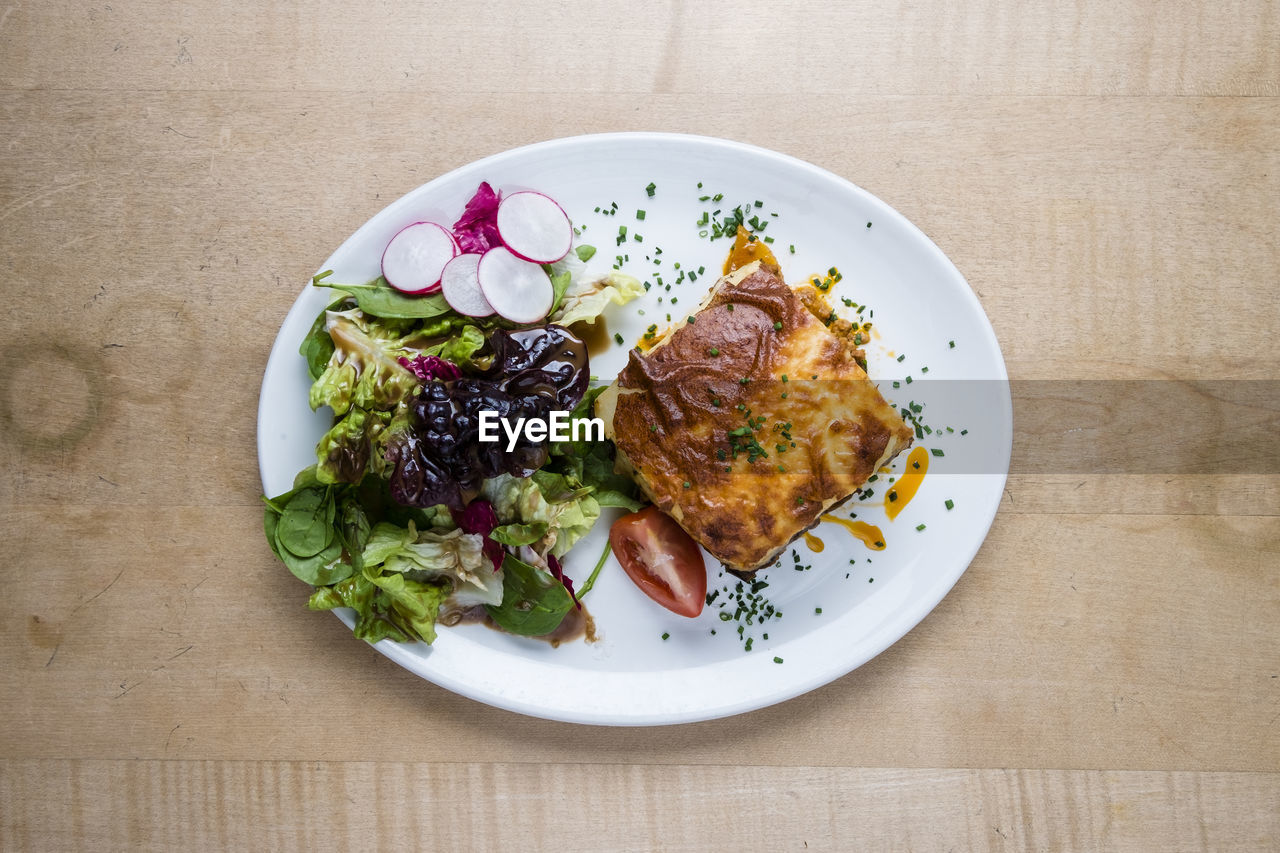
517	289
534	227
461	286
415	257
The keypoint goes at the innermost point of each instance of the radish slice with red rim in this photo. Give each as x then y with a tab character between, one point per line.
518	290
534	227
416	255
460	285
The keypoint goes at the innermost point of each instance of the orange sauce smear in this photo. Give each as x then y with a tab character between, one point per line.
901	492
868	534
746	249
815	544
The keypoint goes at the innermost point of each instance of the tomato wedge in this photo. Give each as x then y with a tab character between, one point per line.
661	559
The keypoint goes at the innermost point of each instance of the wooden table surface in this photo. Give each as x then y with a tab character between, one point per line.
1105	675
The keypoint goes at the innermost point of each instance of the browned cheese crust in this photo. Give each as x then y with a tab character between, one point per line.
672	411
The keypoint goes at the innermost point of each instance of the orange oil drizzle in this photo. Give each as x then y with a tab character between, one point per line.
815	544
901	492
868	534
748	248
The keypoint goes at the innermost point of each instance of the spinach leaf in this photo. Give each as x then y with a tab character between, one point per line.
533	602
300	527
353	529
306	524
317	346
320	569
382	300
559	284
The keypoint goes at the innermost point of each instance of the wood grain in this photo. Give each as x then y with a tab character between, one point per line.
1106	176
414	806
666	47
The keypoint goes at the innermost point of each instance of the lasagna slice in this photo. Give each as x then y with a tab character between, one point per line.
751	418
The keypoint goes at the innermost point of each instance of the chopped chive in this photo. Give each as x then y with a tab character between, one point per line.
937	451
640	215
919	527
777	326
902	357
777	659
950	504
665	635
617	338
650	189
951	344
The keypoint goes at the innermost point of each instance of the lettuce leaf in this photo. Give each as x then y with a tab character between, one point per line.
585	299
394	608
365	368
344	453
454	556
519	500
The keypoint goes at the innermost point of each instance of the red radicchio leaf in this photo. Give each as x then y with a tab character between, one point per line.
428	367
479	517
477	229
557	571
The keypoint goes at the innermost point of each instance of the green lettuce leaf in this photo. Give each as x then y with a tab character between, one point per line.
462	348
522	500
454	556
516	534
413	605
362	596
364	369
586	299
344	453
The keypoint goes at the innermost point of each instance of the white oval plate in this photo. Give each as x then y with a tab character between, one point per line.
633	676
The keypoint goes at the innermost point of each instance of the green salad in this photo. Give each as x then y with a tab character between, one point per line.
407	517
